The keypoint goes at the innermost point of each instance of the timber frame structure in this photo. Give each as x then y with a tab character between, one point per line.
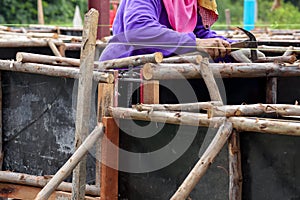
230	119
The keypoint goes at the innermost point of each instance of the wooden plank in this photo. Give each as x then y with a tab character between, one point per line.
105	100
110	160
84	97
151	92
15	191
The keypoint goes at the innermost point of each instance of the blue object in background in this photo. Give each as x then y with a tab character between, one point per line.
249	14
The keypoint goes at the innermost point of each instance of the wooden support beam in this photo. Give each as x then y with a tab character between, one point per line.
178	107
50	70
226	70
67	168
235	167
14	191
251	124
41	181
84	98
110	160
205	161
151	92
105	100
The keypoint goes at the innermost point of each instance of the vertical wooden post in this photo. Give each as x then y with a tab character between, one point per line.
84	98
105	100
110	160
228	18
103	7
151	92
40	12
271	93
235	167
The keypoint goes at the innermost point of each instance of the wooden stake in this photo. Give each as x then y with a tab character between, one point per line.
210	82
40	12
205	161
130	61
235	167
178	107
251	124
54	48
41	181
105	100
50	70
110	160
226	70
67	168
84	97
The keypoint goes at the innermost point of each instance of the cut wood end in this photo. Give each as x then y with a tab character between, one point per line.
158	56
91	12
19	57
147	71
198	59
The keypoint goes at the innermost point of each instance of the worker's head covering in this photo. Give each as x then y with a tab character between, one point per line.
182	14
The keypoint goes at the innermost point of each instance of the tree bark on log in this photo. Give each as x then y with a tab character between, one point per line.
41	181
255	110
210	81
195	59
83	108
130	61
251	124
67	168
277	59
45	59
205	161
235	167
25	42
178	107
49	70
278	49
226	70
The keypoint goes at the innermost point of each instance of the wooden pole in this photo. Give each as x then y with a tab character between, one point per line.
130	61
235	167
26	42
40	12
41	181
54	48
195	59
49	70
255	110
277	59
45	59
226	70
228	18
67	168
84	97
251	124
110	160
178	107
205	161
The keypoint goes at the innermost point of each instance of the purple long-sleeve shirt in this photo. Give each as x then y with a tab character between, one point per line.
142	27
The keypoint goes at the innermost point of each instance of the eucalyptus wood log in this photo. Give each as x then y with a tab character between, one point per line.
251	124
54	48
279	59
130	61
67	168
23	33
178	107
196	59
235	167
255	110
278	49
26	42
41	181
83	109
289	51
226	70
49	70
45	59
210	82
205	161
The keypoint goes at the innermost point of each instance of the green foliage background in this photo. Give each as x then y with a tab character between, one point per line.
57	12
60	12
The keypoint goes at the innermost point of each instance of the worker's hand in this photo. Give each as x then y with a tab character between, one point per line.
244	55
215	47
